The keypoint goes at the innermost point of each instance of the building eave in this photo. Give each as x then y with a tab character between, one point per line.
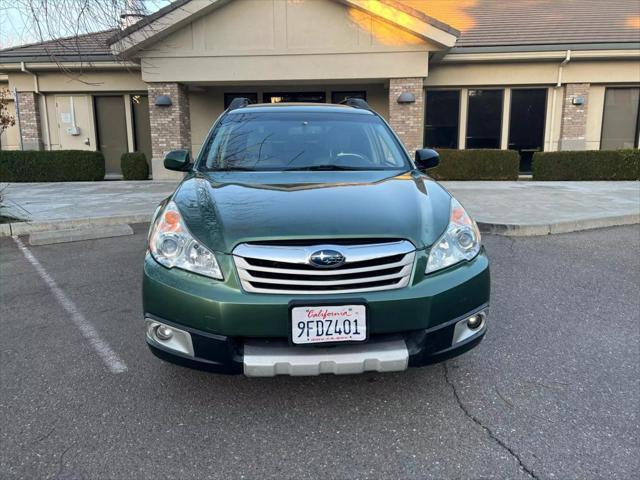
182	12
409	20
45	63
532	53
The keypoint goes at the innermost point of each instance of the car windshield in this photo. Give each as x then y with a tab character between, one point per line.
278	141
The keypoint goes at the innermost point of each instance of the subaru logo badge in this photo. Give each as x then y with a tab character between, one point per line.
326	259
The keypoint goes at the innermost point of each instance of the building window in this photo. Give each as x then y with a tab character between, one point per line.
442	118
337	97
228	98
484	118
620	119
306	97
526	123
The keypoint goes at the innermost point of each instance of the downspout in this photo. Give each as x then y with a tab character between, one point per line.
36	88
16	100
566	60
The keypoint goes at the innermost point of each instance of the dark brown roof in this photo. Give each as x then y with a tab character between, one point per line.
400	5
480	23
87	47
493	23
118	34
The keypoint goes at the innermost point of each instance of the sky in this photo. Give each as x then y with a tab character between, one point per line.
17	26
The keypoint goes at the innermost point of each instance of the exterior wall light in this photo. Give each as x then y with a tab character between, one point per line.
407	97
577	100
163	101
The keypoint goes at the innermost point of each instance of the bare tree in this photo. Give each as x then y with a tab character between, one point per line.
42	20
78	29
61	22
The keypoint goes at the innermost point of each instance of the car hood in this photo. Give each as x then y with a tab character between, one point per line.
223	209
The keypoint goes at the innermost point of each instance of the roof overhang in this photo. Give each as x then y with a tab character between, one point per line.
47	65
160	24
181	12
409	20
533	53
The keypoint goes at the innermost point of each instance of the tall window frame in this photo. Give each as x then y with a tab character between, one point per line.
436	134
476	141
603	128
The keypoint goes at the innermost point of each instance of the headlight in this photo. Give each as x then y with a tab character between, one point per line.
172	245
460	241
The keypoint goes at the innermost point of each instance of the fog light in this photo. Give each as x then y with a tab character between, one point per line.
164	333
474	321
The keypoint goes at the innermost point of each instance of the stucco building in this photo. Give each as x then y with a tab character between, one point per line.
526	75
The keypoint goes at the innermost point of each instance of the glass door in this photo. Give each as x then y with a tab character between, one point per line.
484	118
112	131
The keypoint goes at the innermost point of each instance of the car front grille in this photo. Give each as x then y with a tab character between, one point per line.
285	269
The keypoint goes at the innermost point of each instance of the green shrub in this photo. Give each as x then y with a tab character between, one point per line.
134	166
51	166
587	165
477	165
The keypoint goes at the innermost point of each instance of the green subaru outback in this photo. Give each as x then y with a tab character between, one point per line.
305	240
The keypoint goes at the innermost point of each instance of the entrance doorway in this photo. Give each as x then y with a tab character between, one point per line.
526	123
141	125
111	128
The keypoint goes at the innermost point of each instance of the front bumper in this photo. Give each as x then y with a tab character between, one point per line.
232	331
270	357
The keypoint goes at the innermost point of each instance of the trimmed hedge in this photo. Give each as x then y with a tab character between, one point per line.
134	166
51	166
477	164
587	165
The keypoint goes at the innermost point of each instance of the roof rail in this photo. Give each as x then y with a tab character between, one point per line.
357	103
238	102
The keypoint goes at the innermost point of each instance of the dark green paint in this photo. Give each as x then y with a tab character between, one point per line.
179	160
223	209
223	308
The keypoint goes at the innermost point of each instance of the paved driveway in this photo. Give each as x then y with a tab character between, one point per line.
552	392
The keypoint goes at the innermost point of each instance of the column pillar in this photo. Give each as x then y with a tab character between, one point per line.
170	126
407	119
573	129
29	120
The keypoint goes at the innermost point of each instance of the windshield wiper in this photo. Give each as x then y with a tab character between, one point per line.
326	167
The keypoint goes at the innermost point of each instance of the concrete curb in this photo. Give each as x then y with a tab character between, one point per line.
77	234
24	228
506	229
532	230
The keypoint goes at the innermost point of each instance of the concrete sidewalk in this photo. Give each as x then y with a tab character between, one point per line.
542	208
507	208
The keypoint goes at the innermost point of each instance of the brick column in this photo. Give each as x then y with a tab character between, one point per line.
407	119
170	126
29	120
573	129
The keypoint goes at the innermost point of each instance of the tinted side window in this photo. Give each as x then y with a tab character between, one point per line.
442	119
484	118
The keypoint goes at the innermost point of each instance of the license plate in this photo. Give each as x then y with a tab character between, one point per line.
345	323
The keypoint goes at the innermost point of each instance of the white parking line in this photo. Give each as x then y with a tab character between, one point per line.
110	358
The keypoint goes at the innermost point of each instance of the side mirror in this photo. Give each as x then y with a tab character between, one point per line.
427	158
178	160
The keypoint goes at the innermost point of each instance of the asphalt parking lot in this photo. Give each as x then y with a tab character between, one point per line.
552	392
